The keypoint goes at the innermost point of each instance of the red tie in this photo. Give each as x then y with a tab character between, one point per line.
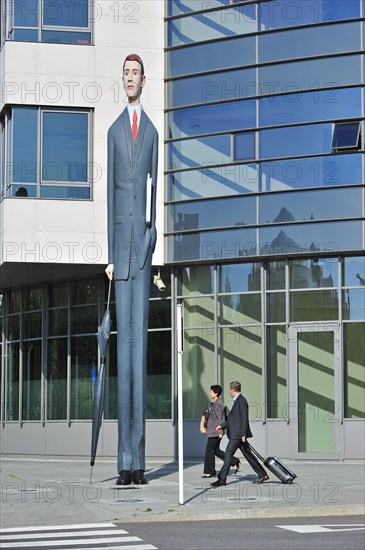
134	125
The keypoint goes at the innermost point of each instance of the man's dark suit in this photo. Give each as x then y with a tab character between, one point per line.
131	243
238	426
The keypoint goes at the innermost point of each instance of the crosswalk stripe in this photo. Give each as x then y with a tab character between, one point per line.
126	547
57	527
63	534
65	542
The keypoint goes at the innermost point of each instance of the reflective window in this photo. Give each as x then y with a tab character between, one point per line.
234	52
158	386
293	141
84	353
310	205
244	146
190	153
354	304
276	307
346	136
239	277
212	118
212	24
24	145
177	7
276	372
314	305
213	181
286	13
275	275
235	84
210	245
196	279
12	379
311	74
67	13
211	213
354	271
31	380
198	311
311	172
354	357
311	237
237	309
310	106
321	40
313	273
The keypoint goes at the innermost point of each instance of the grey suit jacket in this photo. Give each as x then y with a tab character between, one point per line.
129	165
237	423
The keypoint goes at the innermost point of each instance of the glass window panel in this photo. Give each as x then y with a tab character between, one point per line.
190	153
310	106
276	307
313	273
310	237
158	387
65	144
239	309
239	277
12	387
275	275
63	192
24	153
177	7
32	325
198	214
210	25
311	172
193	280
84	319
67	13
286	13
57	379
235	84
198	370
354	271
292	141
84	292
214	181
32	369
240	358
25	35
13	332
346	135
24	191
244	146
84	353
199	312
314	73
64	37
354	344
321	40
159	314
32	299
310	205
276	372
212	118
14	301
25	13
314	305
233	52
58	322
58	295
354	304
210	245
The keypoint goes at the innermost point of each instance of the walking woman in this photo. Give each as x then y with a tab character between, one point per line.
215	418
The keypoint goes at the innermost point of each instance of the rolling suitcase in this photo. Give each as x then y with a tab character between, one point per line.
276	466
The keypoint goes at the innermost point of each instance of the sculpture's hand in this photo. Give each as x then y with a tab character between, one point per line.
109	270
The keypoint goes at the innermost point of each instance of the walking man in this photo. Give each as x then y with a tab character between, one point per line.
238	430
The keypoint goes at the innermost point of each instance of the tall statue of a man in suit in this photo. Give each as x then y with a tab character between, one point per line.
132	179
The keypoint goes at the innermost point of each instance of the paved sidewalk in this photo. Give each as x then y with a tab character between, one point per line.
55	492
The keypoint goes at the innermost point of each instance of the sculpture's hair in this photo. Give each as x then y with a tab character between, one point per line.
134	57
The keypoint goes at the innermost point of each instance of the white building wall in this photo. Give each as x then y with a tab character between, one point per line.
60	75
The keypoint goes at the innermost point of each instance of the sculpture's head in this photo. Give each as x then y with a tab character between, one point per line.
133	77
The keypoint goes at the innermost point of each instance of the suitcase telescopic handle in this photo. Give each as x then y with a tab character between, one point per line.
256	453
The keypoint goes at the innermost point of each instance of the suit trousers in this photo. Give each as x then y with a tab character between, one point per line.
132	304
212	450
232	447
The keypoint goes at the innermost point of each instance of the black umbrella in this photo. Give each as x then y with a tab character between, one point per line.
98	407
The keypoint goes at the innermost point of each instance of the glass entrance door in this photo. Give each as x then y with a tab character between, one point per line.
314	387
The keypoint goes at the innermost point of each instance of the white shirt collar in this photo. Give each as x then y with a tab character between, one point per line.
131	109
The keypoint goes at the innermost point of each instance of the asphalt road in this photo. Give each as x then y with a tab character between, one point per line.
332	533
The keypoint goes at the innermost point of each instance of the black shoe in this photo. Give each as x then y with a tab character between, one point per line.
125	478
209	475
261	479
236	467
218	483
138	478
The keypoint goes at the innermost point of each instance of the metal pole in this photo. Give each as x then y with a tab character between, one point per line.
180	351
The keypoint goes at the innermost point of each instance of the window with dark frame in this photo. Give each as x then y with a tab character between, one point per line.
346	135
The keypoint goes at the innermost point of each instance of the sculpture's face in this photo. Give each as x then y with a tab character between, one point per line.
133	80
